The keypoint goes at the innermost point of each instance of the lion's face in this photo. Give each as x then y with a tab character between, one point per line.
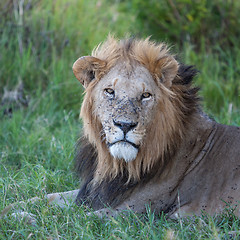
124	109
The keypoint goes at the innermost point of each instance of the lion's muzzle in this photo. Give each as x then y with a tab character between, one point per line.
123	146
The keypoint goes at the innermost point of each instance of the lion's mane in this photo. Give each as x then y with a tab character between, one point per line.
102	177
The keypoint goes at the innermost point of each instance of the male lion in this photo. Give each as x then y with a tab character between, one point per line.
146	140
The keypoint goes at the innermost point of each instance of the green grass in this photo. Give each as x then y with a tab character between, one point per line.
37	143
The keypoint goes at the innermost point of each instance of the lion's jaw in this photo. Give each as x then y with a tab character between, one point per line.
123	150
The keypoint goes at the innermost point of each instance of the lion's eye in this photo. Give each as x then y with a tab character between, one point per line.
109	91
146	95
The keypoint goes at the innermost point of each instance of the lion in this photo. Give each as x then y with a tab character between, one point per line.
146	140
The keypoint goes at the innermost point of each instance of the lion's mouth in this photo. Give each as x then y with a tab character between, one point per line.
123	150
123	142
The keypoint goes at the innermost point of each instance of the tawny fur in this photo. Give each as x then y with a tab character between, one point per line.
166	130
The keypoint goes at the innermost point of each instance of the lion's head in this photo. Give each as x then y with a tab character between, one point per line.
136	106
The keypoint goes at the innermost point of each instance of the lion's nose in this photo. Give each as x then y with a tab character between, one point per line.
125	126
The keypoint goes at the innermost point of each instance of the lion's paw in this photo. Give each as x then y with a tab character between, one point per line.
29	218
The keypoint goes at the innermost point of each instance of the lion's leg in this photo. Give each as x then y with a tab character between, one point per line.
61	199
150	196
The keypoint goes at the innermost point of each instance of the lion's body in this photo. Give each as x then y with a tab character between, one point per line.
146	140
203	175
173	158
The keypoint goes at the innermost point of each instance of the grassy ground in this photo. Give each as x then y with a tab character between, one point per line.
37	142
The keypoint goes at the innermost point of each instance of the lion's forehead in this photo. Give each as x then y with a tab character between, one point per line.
128	80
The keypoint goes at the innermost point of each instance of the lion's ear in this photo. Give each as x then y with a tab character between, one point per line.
167	70
86	67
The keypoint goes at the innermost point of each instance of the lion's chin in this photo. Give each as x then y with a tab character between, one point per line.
123	150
